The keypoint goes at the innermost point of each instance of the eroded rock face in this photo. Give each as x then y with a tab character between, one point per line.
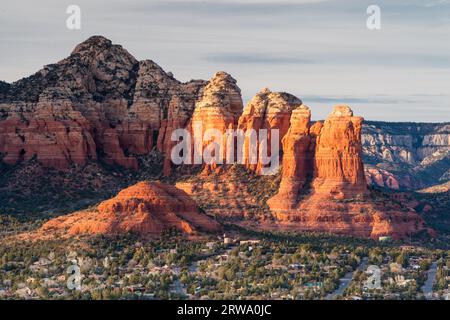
179	113
338	168
267	110
361	219
54	132
217	110
381	178
416	155
99	103
146	209
297	160
328	154
337	199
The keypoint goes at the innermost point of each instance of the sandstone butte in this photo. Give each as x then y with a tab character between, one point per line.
219	108
100	103
323	186
267	110
145	209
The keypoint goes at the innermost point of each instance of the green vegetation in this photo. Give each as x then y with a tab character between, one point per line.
260	266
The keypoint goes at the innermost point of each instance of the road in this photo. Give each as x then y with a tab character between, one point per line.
345	281
427	288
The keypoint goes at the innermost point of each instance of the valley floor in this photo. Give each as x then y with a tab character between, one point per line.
243	265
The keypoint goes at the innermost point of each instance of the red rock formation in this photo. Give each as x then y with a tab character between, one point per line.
179	113
267	110
100	102
223	197
55	133
339	170
361	219
337	200
146	209
218	109
381	178
297	161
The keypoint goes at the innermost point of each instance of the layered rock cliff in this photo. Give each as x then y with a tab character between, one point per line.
298	160
336	199
329	154
406	155
266	111
338	165
100	103
145	209
217	110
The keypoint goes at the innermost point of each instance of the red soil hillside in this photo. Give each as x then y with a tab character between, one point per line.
146	209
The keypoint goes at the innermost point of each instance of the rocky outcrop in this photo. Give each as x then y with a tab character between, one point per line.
145	209
381	178
298	156
179	113
99	103
336	199
329	154
360	219
338	165
416	155
217	110
53	131
267	110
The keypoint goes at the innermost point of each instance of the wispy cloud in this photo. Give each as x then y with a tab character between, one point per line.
248	1
318	48
236	58
356	100
361	58
437	3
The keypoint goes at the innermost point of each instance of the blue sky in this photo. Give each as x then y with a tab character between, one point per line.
321	51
